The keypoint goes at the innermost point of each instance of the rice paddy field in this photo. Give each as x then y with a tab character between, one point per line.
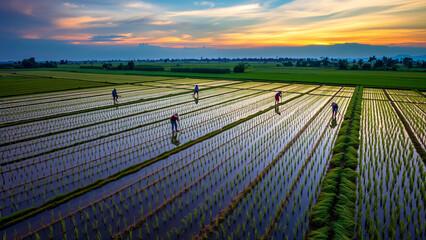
76	166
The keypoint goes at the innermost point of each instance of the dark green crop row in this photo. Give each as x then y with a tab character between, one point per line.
91	67
332	217
149	68
201	70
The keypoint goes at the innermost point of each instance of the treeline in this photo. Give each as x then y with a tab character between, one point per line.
373	63
131	66
32	63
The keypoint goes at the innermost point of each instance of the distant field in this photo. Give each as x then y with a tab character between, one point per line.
257	72
12	86
110	77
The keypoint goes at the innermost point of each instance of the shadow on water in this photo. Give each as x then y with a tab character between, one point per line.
333	123
174	139
196	99
277	110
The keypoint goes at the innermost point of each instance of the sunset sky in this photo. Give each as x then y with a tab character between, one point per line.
217	24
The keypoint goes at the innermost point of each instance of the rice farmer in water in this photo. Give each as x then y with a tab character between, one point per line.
173	120
115	96
278	96
196	90
335	108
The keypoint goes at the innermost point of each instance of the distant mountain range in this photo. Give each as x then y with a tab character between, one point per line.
19	49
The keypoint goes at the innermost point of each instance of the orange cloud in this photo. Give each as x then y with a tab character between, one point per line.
83	22
161	22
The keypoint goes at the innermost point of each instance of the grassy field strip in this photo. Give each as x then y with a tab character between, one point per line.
376	79
106	94
40	146
64	94
125	172
160	140
256	210
12	115
20	86
96	109
332	215
414	116
96	77
246	158
391	187
52	126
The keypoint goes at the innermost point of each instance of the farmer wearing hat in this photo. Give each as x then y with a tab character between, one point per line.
115	96
173	120
277	97
335	108
196	90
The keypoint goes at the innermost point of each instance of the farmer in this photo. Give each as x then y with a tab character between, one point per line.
173	120
277	97
196	90
115	96
335	108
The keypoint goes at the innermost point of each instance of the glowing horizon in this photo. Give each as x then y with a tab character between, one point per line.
230	24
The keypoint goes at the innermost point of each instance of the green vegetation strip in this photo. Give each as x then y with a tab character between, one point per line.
407	127
420	93
332	217
105	121
100	108
119	132
20	216
208	230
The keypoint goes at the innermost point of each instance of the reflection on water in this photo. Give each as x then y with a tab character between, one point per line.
277	109
196	99
333	123
175	141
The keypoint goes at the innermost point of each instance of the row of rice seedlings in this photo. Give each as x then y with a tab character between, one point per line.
415	97
257	148
273	189
102	128
183	229
413	114
258	119
78	102
232	206
286	222
37	99
38	146
213	124
35	111
39	128
391	190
